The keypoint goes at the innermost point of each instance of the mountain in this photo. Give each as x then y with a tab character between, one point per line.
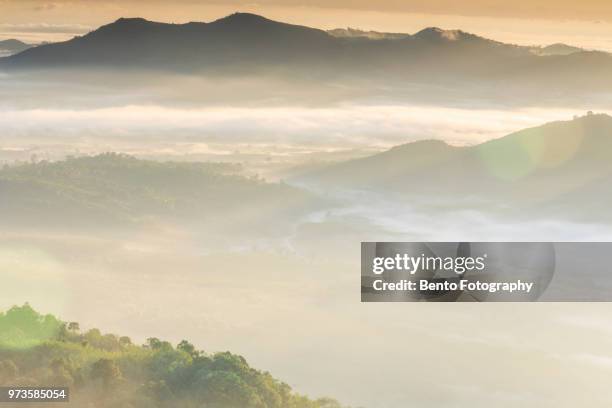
245	43
118	190
224	44
372	35
436	33
12	46
557	49
561	166
106	370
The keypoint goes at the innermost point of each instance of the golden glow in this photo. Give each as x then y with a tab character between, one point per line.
522	22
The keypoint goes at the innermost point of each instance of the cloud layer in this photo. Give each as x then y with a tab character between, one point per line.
313	129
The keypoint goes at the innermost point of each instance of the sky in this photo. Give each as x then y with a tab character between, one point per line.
531	22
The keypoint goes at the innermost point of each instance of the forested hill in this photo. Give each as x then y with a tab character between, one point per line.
105	370
116	189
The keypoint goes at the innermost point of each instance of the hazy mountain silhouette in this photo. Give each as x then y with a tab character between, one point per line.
557	49
12	46
247	43
373	35
238	38
135	42
438	34
564	165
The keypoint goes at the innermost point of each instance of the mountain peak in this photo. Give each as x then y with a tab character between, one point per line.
12	46
12	42
557	49
130	21
125	27
243	18
126	23
593	118
436	33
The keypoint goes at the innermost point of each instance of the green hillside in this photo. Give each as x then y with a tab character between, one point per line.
105	370
115	189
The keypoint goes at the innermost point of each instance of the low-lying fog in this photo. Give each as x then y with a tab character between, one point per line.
295	310
268	136
291	304
262	121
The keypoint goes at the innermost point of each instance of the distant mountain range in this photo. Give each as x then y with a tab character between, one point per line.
12	46
247	43
373	35
556	49
561	168
558	167
453	35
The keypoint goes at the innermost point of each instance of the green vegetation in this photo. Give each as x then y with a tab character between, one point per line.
111	189
22	327
110	371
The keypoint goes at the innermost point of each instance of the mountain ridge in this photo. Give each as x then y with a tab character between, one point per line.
248	44
12	46
560	166
451	35
233	25
139	42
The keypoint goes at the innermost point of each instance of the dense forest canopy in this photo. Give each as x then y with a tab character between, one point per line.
105	370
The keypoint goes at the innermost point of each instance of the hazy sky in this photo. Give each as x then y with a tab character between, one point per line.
588	23
555	9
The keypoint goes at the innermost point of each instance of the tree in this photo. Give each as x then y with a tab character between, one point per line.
74	327
156	344
188	348
159	390
125	341
107	371
62	332
227	389
22	323
153	343
104	376
62	372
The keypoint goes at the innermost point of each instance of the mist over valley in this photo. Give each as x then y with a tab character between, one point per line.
213	181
